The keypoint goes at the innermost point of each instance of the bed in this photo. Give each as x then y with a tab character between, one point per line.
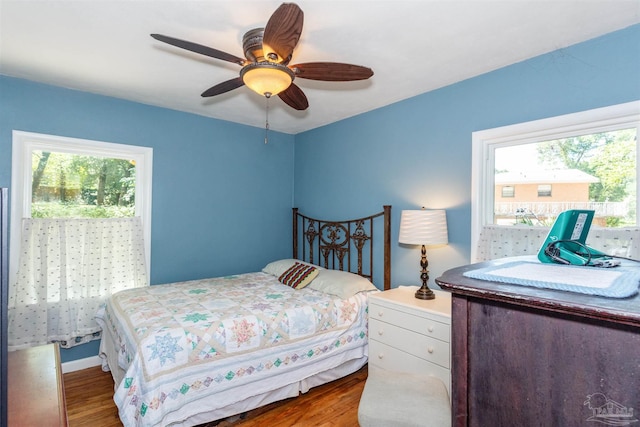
193	352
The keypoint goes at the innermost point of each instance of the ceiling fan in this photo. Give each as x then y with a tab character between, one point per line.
268	50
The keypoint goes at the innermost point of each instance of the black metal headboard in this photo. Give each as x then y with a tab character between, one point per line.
344	245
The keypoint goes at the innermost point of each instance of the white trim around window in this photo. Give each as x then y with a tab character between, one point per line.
485	142
24	143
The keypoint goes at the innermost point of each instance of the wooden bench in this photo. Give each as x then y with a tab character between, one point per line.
35	390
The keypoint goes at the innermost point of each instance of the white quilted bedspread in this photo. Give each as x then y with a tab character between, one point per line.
182	342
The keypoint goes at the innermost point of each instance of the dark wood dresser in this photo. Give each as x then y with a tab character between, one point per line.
523	356
36	390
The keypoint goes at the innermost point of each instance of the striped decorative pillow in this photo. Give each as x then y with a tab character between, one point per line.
298	275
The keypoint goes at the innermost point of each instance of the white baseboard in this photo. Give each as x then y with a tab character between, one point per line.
80	364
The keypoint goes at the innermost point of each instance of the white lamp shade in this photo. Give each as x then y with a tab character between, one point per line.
423	227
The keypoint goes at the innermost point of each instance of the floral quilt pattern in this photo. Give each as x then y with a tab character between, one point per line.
181	341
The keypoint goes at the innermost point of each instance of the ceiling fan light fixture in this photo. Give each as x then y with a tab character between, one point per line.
268	52
267	78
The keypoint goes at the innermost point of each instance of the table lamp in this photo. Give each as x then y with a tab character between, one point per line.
426	227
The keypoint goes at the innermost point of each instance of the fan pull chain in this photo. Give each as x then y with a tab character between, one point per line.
266	124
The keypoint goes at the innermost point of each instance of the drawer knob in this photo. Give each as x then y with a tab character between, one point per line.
380	332
380	356
430	350
380	313
430	328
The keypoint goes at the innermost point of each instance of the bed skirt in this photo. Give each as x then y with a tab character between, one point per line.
336	367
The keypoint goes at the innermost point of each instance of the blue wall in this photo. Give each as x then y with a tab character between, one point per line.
221	197
417	152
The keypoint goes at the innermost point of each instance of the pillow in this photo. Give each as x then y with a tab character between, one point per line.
298	275
276	268
341	283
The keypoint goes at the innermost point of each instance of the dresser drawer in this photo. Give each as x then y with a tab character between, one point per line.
392	359
421	325
421	346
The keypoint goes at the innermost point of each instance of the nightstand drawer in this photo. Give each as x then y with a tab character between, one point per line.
392	359
419	345
421	325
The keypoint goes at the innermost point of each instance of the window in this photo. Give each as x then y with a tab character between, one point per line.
508	191
544	190
587	158
79	232
54	177
67	185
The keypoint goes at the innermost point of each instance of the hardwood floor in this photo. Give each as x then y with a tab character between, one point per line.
89	395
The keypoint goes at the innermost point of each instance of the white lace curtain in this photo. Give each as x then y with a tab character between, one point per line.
505	241
67	268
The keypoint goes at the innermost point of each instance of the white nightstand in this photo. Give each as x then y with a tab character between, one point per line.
410	335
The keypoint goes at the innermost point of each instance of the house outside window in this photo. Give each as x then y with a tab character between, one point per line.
588	159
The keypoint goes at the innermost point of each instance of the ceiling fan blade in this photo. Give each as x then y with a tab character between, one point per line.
223	87
198	48
331	71
294	97
282	33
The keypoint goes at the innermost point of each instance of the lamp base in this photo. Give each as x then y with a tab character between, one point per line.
425	293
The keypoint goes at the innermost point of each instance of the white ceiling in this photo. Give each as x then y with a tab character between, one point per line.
413	47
